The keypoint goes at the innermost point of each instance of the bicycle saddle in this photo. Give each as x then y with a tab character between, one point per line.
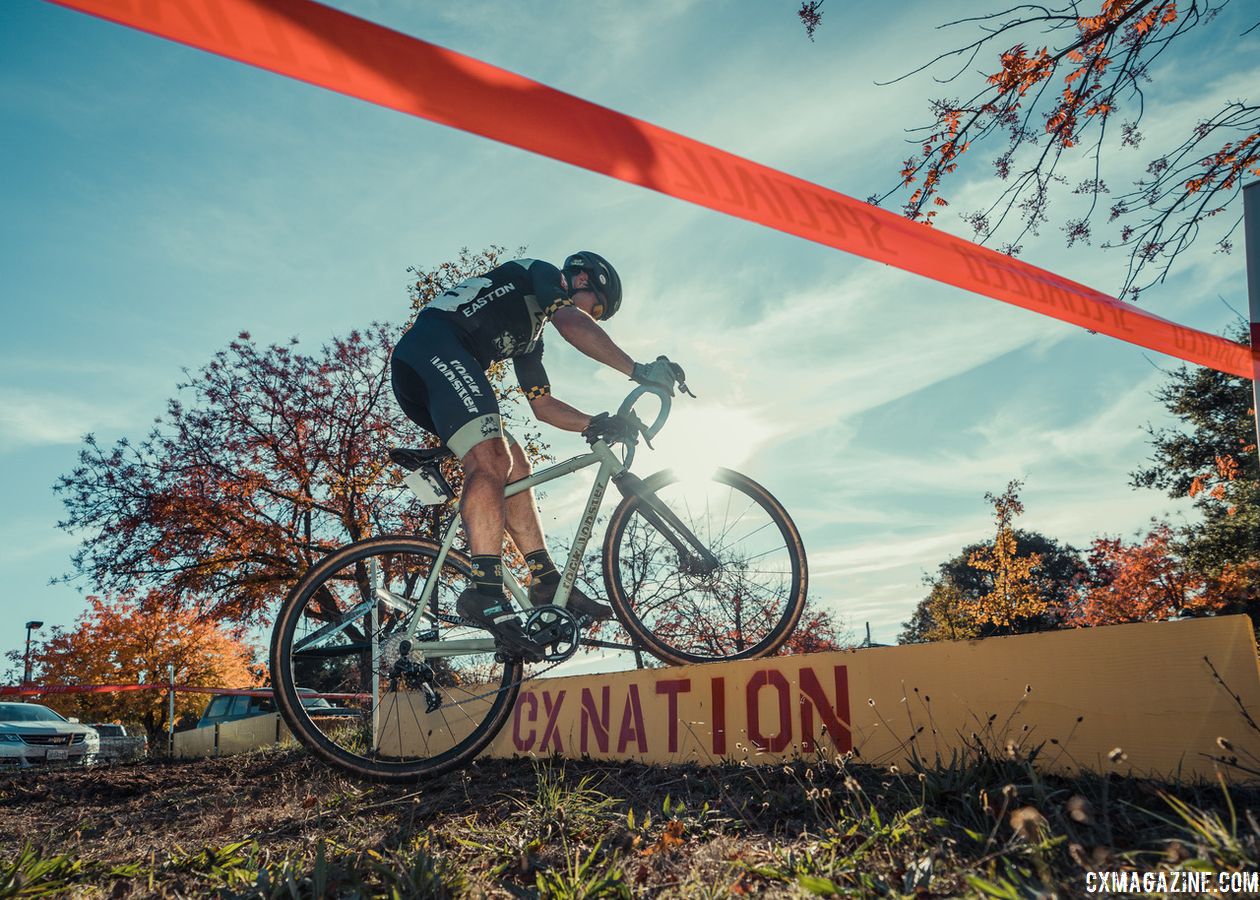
412	458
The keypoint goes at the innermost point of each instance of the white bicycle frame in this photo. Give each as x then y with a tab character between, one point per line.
609	465
609	468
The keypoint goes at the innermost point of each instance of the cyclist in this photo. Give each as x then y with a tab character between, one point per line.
438	376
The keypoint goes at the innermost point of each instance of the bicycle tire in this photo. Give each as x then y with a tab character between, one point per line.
346	569
676	640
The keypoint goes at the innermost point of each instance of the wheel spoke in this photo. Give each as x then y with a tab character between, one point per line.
367	590
684	613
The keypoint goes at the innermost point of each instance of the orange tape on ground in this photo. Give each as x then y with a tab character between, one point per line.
334	50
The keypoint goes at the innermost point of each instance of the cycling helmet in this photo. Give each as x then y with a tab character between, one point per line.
603	276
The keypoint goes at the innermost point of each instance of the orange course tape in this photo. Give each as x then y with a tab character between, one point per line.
325	47
35	690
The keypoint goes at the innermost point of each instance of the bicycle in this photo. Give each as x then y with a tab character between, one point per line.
371	627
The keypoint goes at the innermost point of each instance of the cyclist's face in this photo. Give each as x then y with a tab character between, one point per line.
585	297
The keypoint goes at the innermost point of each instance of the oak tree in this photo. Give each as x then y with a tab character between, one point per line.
1144	581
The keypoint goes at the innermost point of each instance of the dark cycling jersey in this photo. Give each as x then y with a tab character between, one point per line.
502	314
438	366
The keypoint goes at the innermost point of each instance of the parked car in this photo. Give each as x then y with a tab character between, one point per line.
32	734
117	745
228	708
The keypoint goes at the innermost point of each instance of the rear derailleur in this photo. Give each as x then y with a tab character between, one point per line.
415	675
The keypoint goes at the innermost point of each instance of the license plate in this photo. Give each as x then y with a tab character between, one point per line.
57	753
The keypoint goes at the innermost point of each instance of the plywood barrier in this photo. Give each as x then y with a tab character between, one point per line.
1162	693
240	736
195	742
1157	697
248	734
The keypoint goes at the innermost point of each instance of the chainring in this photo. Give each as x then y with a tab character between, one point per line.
556	629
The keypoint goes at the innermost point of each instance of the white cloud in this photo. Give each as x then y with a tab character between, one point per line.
34	418
890	551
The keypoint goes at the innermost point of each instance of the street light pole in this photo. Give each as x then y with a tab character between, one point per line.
26	658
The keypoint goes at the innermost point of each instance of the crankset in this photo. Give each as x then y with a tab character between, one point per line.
555	629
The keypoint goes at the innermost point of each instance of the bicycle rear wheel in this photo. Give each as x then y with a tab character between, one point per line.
335	665
742	606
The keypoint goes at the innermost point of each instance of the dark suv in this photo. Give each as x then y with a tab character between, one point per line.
230	707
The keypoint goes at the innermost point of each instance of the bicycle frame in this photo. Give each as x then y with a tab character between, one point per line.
609	466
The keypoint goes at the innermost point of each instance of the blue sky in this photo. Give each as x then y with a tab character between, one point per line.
159	200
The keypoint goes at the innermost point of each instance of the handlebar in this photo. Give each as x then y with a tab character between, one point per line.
626	411
633	397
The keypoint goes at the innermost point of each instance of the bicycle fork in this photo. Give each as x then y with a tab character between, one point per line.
694	557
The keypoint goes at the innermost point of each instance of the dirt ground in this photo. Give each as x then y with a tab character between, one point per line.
278	824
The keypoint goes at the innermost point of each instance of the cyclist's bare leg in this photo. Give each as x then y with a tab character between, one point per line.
486	468
525	526
523	522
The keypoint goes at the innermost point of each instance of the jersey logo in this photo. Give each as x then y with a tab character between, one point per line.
467	296
493	295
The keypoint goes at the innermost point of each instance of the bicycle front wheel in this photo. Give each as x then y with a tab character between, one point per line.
742	601
355	691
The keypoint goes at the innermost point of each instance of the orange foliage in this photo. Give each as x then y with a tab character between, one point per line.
1087	92
125	640
1016	593
1142	582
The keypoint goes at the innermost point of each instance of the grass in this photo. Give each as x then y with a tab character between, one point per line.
276	824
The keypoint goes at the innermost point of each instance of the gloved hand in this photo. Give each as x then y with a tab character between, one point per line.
662	373
612	428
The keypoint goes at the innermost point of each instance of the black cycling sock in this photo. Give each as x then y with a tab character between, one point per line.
488	575
541	568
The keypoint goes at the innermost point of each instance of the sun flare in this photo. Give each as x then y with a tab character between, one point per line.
698	438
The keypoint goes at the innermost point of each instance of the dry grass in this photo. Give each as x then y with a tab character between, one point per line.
276	824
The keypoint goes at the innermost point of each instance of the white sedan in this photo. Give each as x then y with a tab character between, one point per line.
31	734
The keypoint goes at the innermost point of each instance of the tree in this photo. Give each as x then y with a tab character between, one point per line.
942	616
268	459
1140	582
1065	82
819	630
131	639
1012	593
1211	458
1015	584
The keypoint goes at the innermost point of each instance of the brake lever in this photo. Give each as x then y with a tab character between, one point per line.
643	430
682	386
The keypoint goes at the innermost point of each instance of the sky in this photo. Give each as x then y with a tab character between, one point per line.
159	200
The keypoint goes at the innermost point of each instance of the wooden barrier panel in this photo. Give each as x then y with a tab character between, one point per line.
247	734
240	736
194	742
1161	692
